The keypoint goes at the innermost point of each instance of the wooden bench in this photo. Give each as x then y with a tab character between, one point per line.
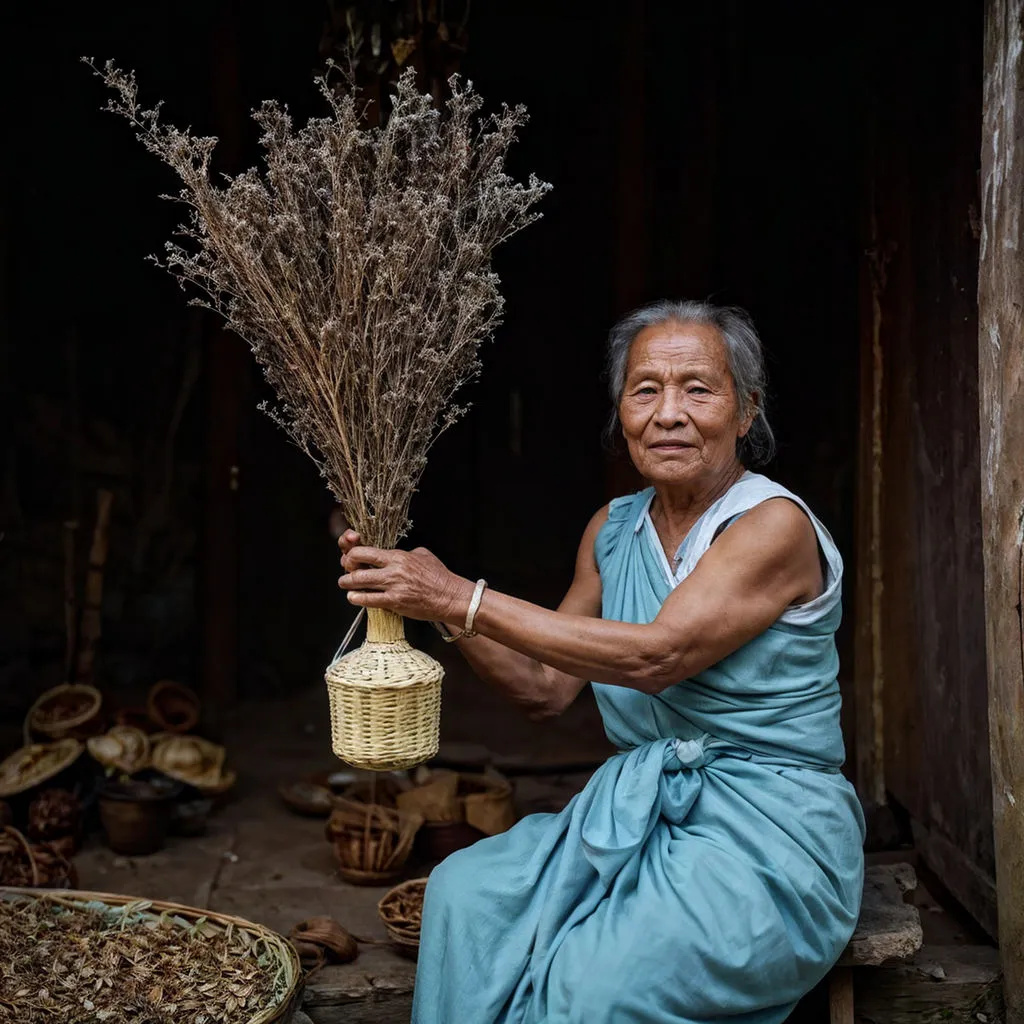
889	929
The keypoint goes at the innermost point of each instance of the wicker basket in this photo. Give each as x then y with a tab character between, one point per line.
372	843
68	710
401	910
33	864
385	699
32	765
173	707
265	943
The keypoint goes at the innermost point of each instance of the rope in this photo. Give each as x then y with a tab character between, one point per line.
348	636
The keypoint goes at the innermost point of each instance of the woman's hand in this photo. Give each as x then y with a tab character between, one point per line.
415	584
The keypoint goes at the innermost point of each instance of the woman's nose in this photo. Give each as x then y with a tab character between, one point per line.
671	409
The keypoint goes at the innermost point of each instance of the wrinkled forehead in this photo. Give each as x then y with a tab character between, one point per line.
678	347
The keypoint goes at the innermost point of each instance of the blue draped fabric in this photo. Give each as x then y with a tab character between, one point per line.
711	869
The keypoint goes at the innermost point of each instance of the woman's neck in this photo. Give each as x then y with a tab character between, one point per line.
676	508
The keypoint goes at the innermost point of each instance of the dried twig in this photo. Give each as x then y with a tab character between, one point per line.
358	267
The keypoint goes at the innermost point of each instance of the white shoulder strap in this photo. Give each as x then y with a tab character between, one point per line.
749	491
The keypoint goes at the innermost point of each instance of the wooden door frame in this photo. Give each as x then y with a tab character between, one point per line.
1001	370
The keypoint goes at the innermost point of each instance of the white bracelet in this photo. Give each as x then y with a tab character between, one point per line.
469	631
474	607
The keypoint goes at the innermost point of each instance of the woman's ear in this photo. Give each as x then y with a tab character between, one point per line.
753	408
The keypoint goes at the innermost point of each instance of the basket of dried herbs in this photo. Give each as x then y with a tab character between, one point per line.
401	910
87	956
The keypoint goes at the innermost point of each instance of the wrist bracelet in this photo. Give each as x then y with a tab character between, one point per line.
474	606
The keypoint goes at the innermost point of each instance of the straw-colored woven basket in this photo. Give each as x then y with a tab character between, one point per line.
385	699
271	951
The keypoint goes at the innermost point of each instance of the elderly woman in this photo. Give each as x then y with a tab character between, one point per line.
713	867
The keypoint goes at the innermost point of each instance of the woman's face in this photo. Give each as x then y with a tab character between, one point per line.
679	410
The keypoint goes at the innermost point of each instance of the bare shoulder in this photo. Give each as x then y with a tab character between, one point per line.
778	524
597	520
585	557
774	541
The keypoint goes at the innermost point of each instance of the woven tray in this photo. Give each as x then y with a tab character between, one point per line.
280	949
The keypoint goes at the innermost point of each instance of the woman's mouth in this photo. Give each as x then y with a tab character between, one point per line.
671	446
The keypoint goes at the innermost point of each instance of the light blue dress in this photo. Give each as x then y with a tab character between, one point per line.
711	869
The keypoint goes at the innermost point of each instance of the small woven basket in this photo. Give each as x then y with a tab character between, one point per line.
371	843
173	707
385	699
401	911
68	710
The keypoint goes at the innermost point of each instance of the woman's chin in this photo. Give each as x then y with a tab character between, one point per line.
675	471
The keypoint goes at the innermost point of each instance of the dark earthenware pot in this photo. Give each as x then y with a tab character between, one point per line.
136	814
437	839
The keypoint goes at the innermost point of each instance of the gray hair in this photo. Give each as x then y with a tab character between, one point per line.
743	350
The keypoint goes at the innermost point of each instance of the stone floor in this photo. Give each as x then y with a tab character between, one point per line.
264	863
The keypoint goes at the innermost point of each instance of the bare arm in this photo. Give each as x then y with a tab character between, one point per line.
542	690
762	564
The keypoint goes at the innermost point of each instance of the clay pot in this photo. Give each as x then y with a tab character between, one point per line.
437	839
136	814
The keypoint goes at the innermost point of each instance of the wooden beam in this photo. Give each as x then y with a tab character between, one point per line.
226	371
947	984
1001	370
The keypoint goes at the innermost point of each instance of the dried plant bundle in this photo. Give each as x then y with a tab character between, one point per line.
358	267
76	958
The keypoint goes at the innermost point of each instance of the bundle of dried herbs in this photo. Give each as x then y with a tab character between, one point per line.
63	960
358	268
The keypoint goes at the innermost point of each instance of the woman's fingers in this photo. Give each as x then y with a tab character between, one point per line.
371	599
364	579
373	556
348	540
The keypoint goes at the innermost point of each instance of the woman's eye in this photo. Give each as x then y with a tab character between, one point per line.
646	390
698	389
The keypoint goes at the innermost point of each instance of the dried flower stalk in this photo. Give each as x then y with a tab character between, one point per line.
358	267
